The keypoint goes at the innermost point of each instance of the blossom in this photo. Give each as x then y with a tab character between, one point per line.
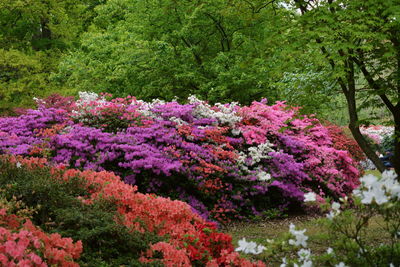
263	176
284	262
249	247
341	264
309	197
329	251
377	190
301	239
335	206
304	254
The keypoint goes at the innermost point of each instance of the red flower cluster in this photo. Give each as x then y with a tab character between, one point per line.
342	141
188	238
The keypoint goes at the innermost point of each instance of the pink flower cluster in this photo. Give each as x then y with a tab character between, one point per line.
23	244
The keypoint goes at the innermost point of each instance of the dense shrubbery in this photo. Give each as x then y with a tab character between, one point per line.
226	161
115	224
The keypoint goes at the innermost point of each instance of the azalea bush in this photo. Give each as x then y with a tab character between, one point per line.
348	225
342	141
113	223
227	161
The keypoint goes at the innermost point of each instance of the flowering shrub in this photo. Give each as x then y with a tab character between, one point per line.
225	160
155	229
342	141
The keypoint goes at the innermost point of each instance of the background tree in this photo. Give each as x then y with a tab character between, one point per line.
219	50
34	34
360	41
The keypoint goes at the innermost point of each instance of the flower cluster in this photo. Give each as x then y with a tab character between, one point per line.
342	141
225	160
377	132
377	190
23	244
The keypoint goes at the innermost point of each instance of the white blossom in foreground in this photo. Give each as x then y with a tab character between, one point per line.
334	212
284	262
249	247
310	197
304	254
19	165
301	238
341	264
377	190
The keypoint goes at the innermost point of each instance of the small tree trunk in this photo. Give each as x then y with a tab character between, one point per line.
396	158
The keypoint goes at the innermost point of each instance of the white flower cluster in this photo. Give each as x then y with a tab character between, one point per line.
225	115
254	156
260	152
146	107
88	97
377	190
377	132
249	247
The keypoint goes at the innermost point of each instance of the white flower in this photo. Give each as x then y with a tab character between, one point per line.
335	206
329	251
304	254
341	264
178	121
236	131
331	215
301	239
309	197
307	264
19	165
249	247
263	176
379	190
368	180
284	262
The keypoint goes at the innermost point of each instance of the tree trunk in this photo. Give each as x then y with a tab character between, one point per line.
350	93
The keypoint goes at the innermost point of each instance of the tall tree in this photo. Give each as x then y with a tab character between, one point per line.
360	40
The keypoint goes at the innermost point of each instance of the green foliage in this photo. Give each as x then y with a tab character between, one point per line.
33	36
57	209
219	50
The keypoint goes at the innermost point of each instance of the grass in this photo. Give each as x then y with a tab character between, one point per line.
261	232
